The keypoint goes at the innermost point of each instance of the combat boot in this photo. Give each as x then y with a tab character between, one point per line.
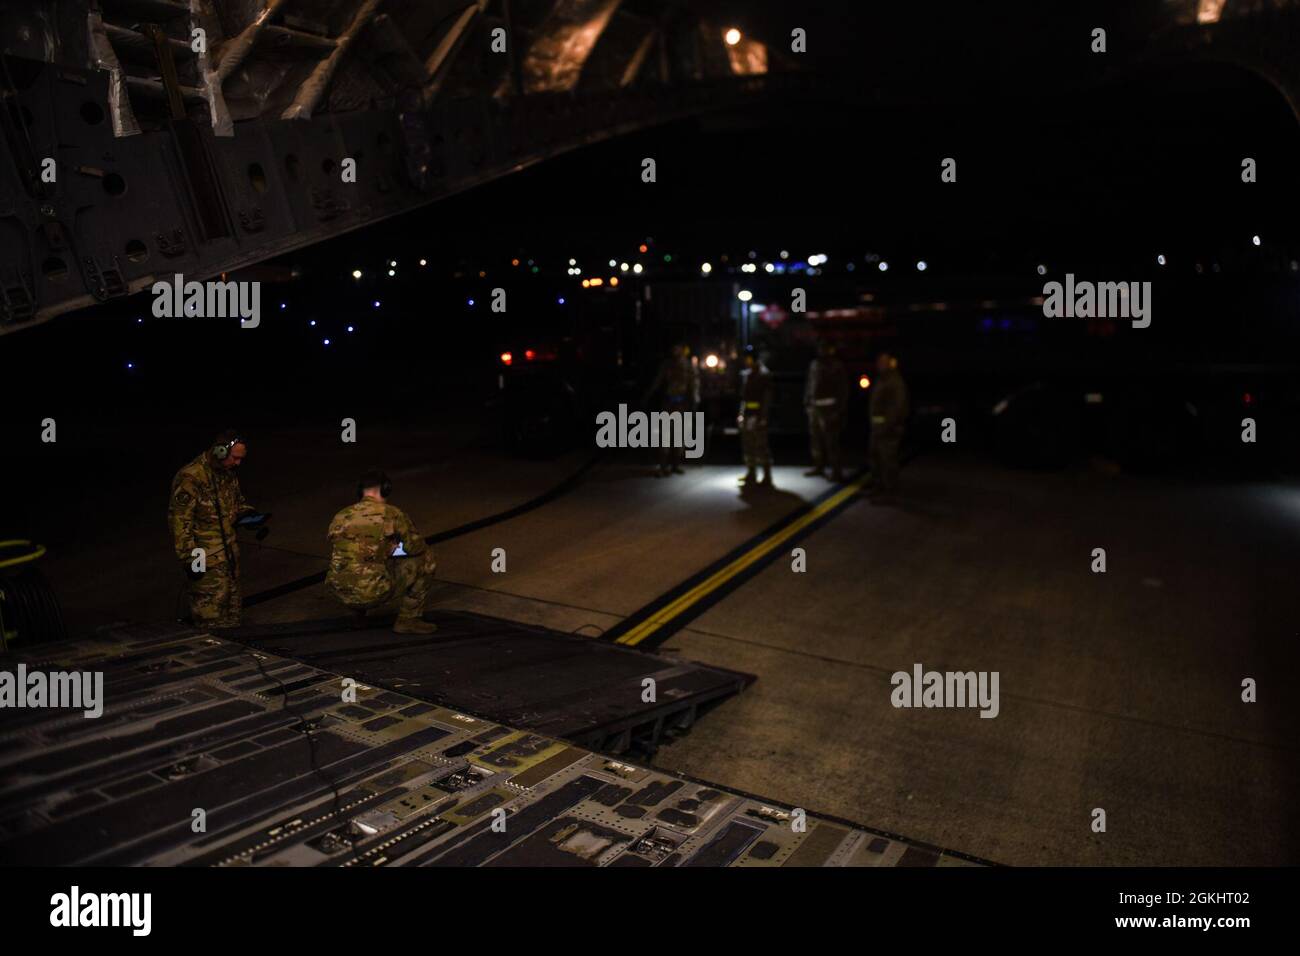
748	477
767	475
414	625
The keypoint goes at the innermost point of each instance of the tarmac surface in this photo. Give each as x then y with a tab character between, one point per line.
1119	691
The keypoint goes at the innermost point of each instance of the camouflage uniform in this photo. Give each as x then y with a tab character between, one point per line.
363	575
889	409
205	503
679	379
826	397
755	403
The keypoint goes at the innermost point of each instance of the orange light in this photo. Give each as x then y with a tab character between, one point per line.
613	280
482	274
596	282
529	354
586	283
514	262
864	382
643	247
506	358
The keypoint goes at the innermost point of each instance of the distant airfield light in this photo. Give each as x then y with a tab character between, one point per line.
573	262
349	328
560	300
130	365
613	280
470	301
392	263
706	268
745	295
312	323
732	36
1255	239
529	354
637	268
711	361
596	281
622	267
423	263
613	263
392	272
506	358
785	254
139	321
1042	270
356	273
668	257
327	341
376	303
514	262
864	382
768	267
922	265
884	266
1160	259
586	283
643	248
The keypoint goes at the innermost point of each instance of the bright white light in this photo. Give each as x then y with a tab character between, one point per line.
745	295
711	361
768	267
1255	239
637	268
732	36
884	266
349	328
393	263
921	266
706	268
613	263
1042	270
392	272
785	254
622	267
424	262
1160	259
327	341
356	273
573	262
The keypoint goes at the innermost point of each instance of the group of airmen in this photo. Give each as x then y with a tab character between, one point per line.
377	555
826	396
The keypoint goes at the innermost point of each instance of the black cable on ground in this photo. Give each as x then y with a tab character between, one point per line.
307	730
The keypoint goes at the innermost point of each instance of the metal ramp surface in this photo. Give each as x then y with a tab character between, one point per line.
287	768
589	692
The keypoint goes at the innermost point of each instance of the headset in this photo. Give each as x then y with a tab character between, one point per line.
372	478
221	450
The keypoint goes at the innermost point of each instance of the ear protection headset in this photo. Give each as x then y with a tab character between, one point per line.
372	478
221	450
